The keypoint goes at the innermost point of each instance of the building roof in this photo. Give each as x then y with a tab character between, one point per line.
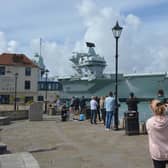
13	59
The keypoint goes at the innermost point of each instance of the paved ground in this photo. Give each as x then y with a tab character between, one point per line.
76	144
18	160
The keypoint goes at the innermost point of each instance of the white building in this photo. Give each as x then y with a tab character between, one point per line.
21	78
18	78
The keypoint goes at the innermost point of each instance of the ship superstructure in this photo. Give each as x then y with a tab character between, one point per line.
89	65
91	80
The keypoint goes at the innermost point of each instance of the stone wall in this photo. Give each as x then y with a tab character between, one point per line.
15	115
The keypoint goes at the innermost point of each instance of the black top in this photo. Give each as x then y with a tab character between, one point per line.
82	103
132	104
63	110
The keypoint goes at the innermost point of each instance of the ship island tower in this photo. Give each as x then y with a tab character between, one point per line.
88	65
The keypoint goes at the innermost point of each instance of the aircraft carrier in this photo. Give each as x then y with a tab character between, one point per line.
90	79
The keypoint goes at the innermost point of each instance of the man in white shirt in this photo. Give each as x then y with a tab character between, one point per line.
93	108
110	107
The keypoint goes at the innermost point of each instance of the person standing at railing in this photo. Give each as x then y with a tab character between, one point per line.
110	108
82	105
132	103
160	96
98	108
93	108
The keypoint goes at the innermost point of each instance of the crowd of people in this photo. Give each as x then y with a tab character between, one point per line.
104	106
103	109
97	108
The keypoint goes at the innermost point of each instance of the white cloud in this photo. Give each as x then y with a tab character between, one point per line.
138	48
7	46
134	45
3	44
132	20
142	45
12	46
87	8
127	5
56	56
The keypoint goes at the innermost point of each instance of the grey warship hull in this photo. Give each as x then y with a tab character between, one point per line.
90	79
143	85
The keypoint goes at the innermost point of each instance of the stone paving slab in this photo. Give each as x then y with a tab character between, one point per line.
18	160
76	144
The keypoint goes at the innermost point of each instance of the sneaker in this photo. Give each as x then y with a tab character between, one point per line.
107	129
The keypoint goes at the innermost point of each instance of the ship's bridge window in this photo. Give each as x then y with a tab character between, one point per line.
85	58
81	60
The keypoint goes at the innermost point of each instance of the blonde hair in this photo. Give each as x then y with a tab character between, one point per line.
157	107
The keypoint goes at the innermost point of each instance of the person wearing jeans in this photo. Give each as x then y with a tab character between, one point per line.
109	117
109	106
93	108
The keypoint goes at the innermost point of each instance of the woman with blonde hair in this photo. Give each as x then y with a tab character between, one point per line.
157	128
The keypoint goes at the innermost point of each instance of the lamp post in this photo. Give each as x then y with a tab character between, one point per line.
15	94
116	32
46	89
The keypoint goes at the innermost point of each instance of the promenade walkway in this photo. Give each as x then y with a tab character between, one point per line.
76	144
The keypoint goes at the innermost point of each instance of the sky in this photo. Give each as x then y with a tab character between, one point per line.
64	27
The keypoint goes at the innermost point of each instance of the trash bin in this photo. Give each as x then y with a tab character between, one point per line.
131	123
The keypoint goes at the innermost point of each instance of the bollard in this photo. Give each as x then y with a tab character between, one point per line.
143	128
122	123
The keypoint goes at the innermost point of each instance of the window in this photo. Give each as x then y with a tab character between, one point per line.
27	84
4	99
41	86
28	99
2	70
49	86
27	71
40	98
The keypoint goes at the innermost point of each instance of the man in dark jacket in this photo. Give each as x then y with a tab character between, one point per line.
64	112
132	103
82	105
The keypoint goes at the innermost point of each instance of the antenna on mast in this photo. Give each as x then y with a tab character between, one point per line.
89	44
40	45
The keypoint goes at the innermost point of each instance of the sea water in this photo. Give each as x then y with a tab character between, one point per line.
143	109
